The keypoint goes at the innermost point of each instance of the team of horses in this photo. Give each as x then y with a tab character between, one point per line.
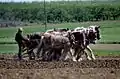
62	44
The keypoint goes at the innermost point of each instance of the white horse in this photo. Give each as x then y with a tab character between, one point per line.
91	35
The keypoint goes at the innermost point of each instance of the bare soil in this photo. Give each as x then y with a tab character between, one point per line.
61	73
101	68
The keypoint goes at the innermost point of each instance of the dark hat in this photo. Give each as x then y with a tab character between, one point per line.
20	29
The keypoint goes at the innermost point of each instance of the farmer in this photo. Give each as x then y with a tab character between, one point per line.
20	39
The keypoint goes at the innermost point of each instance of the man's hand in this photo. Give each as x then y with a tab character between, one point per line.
28	39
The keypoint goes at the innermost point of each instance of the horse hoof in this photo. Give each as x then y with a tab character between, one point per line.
93	58
32	58
74	59
80	59
89	58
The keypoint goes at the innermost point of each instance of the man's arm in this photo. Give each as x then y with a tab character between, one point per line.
24	38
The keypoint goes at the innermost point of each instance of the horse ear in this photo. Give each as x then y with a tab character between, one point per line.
98	26
54	29
67	28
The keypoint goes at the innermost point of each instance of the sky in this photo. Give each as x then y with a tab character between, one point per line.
31	0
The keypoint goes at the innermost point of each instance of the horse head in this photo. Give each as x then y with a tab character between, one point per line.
96	30
93	33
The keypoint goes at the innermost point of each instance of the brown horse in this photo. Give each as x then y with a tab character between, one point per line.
29	46
54	44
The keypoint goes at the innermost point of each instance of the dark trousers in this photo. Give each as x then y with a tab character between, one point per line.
20	51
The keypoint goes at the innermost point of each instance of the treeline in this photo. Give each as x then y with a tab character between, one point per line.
58	12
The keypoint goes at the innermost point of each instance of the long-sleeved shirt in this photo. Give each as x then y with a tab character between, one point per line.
19	37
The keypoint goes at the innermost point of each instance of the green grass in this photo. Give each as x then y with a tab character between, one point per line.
107	52
110	30
8	48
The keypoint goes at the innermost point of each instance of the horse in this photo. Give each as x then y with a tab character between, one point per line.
34	40
78	43
54	45
92	35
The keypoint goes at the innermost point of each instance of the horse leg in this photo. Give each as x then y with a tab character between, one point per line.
57	54
64	53
43	55
39	48
50	55
80	53
87	55
70	53
31	54
91	52
75	54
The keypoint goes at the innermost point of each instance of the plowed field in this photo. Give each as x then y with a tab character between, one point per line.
101	68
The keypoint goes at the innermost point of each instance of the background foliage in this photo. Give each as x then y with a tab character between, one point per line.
59	12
